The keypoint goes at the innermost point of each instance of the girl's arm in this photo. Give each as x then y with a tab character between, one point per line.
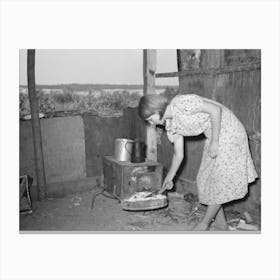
176	162
215	113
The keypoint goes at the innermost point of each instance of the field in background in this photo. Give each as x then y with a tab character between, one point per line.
83	100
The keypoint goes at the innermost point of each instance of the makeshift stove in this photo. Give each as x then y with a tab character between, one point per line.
131	183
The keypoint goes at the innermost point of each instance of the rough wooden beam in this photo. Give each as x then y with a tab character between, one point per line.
149	69
179	66
210	71
36	128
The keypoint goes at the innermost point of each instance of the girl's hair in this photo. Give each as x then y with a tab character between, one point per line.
152	103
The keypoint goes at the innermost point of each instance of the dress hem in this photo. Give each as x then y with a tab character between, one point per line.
223	202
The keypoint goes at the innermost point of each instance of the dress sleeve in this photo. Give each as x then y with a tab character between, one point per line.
188	103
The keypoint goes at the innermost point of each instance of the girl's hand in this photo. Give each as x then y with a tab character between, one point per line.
213	149
167	184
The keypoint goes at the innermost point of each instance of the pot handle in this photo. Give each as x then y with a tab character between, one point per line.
126	148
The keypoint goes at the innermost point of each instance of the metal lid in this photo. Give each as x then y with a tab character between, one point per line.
124	140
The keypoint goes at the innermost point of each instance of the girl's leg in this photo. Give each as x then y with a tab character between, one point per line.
220	220
211	212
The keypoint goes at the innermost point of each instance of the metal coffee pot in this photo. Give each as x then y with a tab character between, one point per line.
138	151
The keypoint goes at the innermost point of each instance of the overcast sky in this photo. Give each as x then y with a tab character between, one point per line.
95	66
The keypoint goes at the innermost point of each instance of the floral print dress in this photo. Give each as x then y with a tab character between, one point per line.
226	177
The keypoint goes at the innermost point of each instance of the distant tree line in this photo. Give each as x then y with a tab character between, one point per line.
69	102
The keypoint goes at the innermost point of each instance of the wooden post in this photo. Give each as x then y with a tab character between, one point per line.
149	70
36	128
179	66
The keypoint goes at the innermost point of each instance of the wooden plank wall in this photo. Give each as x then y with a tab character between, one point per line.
239	90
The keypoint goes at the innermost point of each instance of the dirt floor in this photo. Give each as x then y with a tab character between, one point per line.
74	213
